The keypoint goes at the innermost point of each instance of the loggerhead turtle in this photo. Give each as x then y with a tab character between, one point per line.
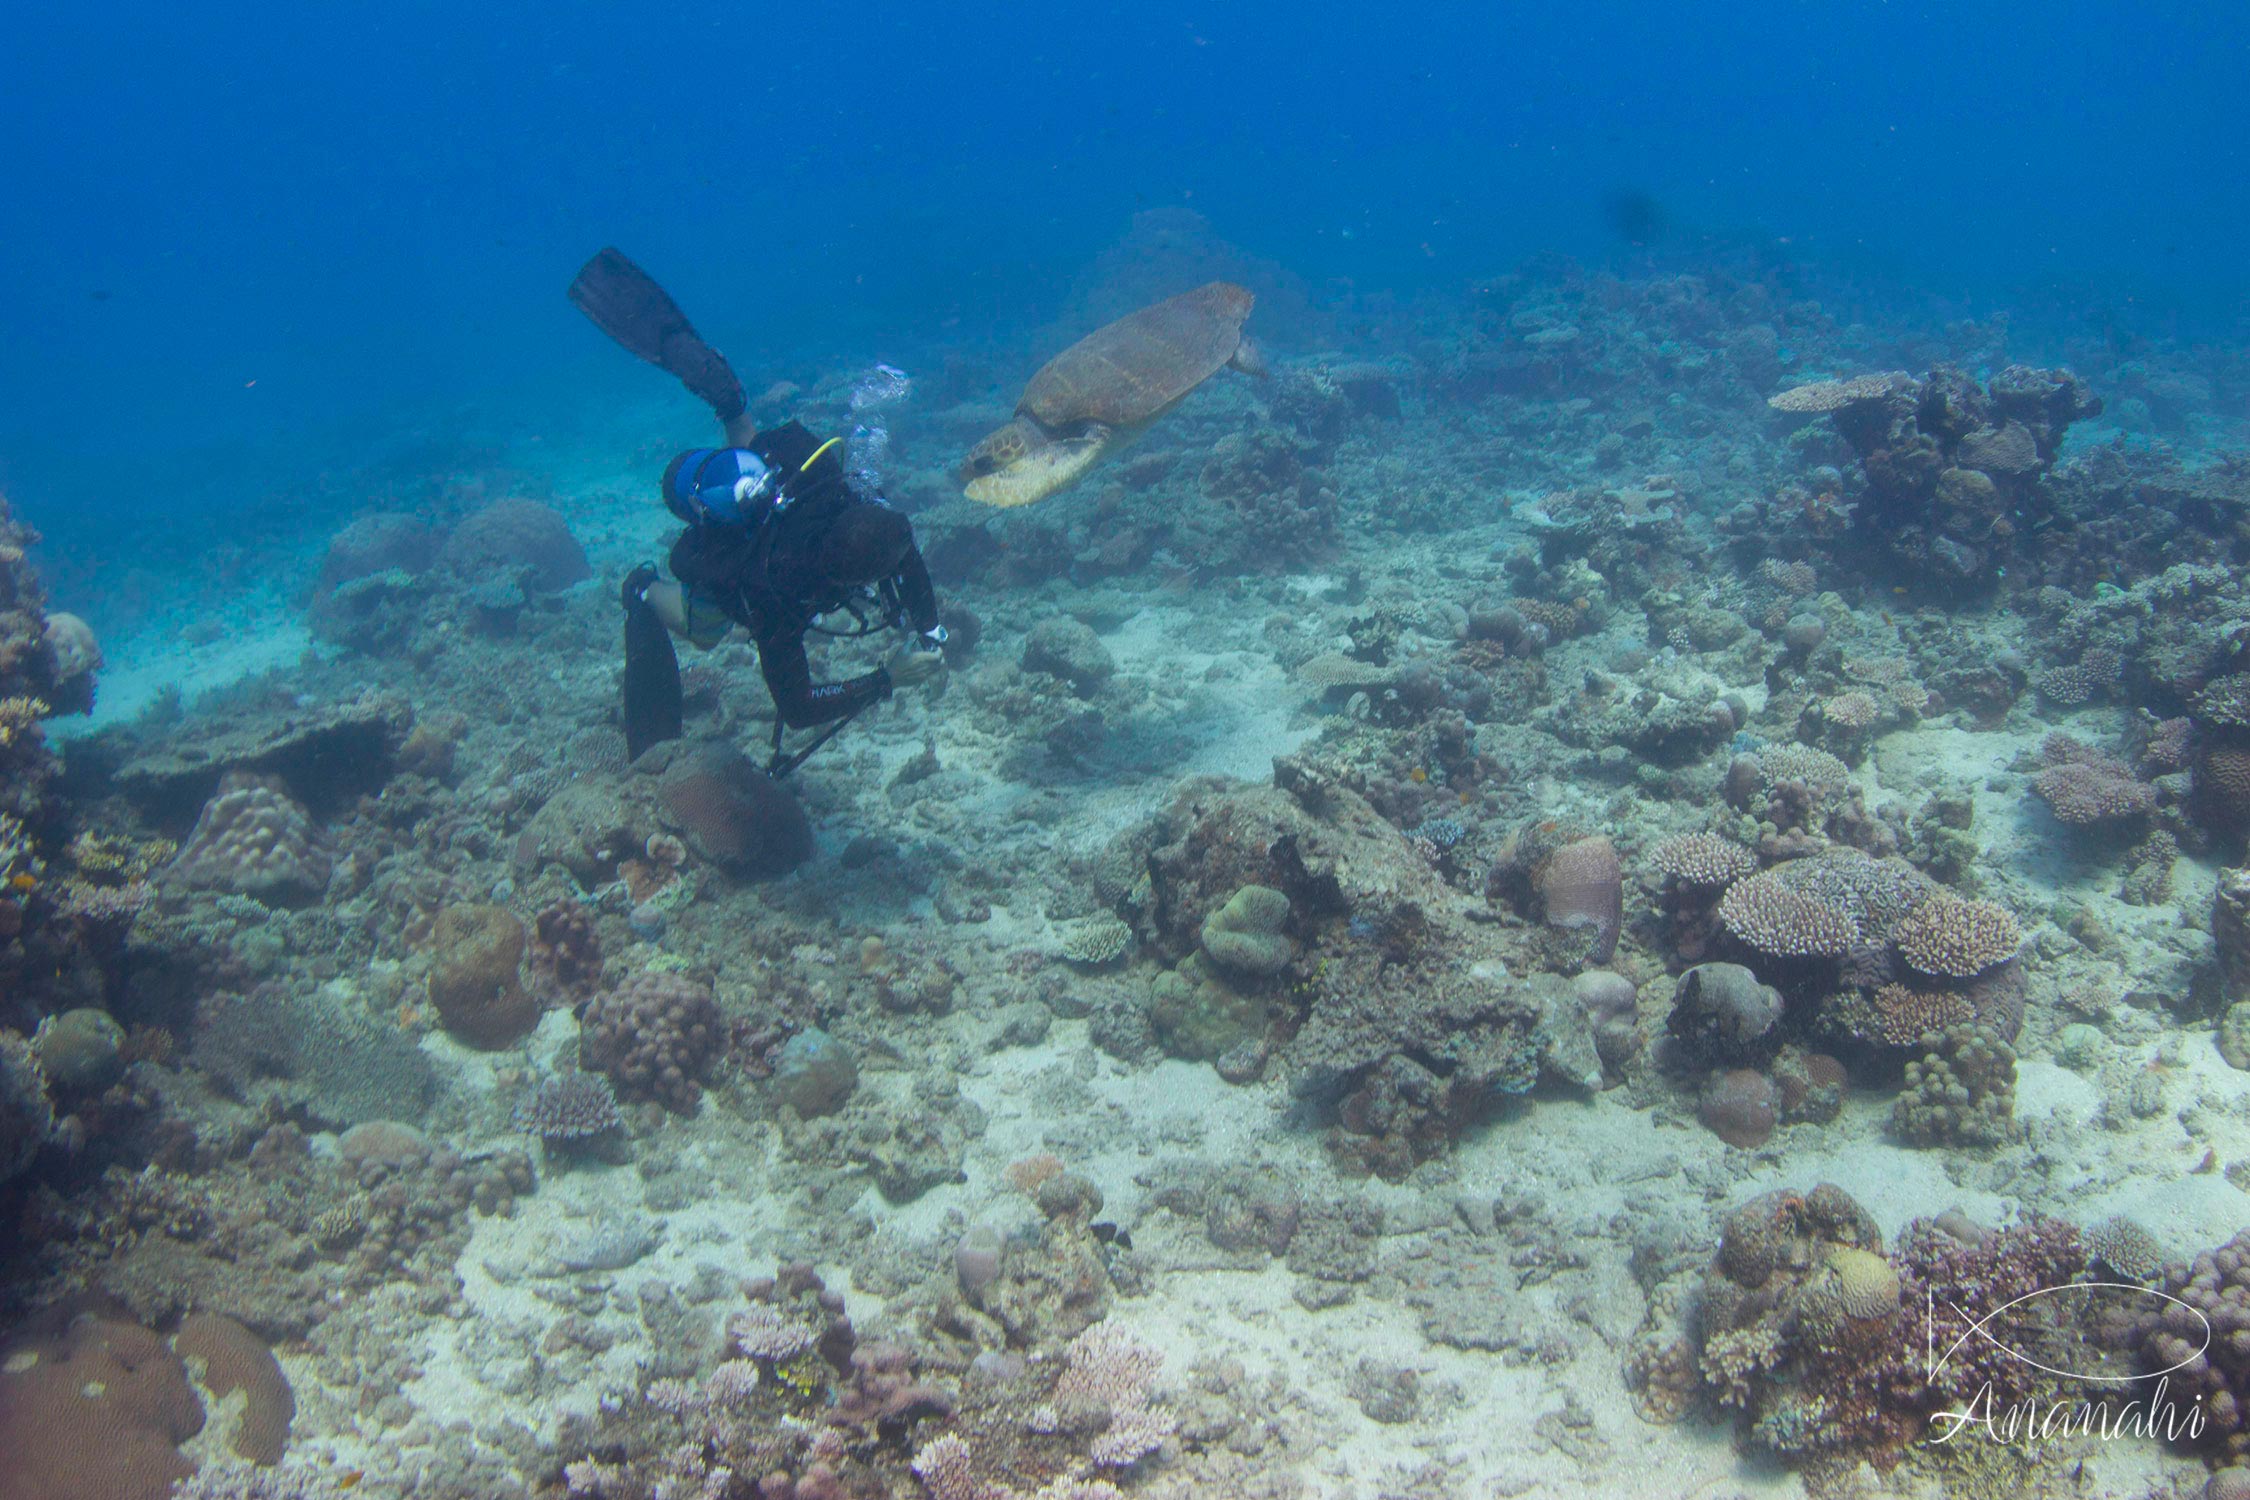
1104	391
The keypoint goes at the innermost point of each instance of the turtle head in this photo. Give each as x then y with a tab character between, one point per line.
1022	462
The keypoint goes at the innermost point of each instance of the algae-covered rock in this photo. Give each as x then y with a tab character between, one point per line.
813	1074
1246	936
2234	1035
2078	1045
1198	1016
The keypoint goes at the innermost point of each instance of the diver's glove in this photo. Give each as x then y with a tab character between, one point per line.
914	663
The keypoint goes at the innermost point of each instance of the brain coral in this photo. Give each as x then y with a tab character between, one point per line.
475	981
735	815
232	1358
1866	1285
517	538
72	641
1246	935
1955	937
253	840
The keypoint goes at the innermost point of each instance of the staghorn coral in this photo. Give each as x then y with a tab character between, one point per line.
1904	1016
2087	788
569	1110
253	840
658	1036
1772	917
2125	1247
1095	940
1335	670
1107	1368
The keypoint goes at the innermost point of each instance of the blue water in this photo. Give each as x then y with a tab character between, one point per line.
251	237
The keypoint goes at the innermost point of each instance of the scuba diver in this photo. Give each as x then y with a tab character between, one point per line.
777	538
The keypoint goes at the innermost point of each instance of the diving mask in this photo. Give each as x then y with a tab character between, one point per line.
719	487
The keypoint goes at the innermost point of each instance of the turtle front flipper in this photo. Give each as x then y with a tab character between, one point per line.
1022	463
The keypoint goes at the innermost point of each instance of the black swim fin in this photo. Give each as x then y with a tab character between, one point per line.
652	672
626	303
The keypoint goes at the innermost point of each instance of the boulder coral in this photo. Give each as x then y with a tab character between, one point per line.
93	1409
254	840
517	538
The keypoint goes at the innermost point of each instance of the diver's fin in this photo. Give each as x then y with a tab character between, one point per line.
652	677
626	303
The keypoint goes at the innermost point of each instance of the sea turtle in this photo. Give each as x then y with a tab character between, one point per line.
1103	391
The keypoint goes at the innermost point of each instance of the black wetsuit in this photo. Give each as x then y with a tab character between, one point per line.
768	581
